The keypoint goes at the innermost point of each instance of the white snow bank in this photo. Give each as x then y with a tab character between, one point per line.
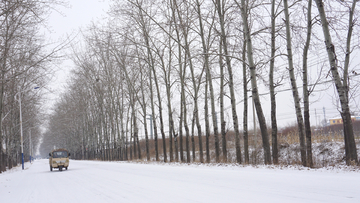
94	181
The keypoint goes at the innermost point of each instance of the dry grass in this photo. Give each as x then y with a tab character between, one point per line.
288	142
317	137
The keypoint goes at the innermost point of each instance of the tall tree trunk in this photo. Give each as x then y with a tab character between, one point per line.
167	77
187	137
131	147
231	82
144	117
123	139
146	140
171	130
160	114
341	87
136	134
182	104
2	161
275	153
153	116
170	114
222	116
182	70
128	149
210	85
306	92
195	86
193	137
209	79
255	93
152	71
187	131
294	89
245	113
207	123
176	146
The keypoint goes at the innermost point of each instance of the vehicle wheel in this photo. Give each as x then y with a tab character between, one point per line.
50	168
65	168
60	168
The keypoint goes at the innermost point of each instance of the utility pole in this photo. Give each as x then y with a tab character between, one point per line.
21	128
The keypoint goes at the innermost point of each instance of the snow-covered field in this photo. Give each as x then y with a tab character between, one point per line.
94	181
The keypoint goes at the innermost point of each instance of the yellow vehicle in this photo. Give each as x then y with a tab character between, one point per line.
59	158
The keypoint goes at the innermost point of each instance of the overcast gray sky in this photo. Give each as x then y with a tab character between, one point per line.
67	22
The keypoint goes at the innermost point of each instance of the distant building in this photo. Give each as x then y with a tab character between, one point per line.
336	121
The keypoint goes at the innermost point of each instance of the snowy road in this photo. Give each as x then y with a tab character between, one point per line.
91	181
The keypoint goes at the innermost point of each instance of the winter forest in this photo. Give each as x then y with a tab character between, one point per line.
177	80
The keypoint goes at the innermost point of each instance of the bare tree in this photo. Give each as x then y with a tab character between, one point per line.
206	47
220	10
306	91
185	33
295	92
272	86
255	93
245	113
22	63
222	94
341	83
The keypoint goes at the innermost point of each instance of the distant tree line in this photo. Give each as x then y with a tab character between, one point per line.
190	68
24	65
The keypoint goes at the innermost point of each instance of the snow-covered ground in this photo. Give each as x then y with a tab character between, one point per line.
94	181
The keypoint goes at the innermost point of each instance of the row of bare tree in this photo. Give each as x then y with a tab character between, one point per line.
23	66
180	63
